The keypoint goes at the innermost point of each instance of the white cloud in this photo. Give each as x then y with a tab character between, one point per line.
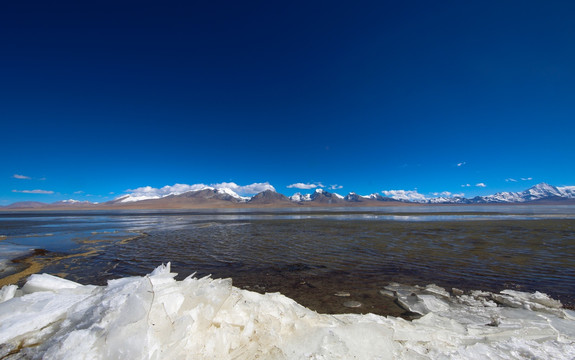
246	189
335	187
480	185
510	180
33	191
466	185
305	186
78	192
461	164
22	177
409	195
151	192
527	179
444	193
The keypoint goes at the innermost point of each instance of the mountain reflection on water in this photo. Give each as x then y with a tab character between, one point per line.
310	253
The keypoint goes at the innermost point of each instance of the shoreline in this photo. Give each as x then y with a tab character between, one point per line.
279	206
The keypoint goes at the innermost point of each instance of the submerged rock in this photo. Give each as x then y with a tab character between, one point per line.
352	304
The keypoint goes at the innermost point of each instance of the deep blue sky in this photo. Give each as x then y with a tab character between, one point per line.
371	95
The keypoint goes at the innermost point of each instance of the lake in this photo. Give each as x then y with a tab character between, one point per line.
308	254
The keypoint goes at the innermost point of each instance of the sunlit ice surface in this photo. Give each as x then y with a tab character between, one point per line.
158	317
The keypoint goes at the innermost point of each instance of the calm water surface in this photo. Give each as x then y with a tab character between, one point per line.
308	254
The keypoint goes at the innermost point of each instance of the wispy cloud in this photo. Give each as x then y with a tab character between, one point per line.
522	179
305	186
21	177
461	164
478	185
406	195
335	187
78	192
33	191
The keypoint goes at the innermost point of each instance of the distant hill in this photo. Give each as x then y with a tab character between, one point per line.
26	205
269	197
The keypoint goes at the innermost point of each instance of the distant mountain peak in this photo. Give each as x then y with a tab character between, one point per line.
269	197
353	197
322	196
299	197
544	188
541	191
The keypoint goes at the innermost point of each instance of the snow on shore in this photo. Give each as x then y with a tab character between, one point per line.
157	317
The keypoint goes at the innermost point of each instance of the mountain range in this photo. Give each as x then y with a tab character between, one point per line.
210	197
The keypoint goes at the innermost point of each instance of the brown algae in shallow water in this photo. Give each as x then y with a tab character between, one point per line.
41	259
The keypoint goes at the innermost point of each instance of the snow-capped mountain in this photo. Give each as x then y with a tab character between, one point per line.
542	191
299	197
567	191
538	192
318	196
210	197
224	194
447	200
324	197
353	197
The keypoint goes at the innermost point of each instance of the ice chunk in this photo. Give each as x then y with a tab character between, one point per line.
434	289
157	317
7	292
46	282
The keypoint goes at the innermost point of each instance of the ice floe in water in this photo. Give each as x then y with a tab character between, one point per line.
157	317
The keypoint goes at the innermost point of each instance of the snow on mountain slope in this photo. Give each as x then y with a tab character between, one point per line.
149	193
567	191
537	192
132	198
540	191
232	194
299	197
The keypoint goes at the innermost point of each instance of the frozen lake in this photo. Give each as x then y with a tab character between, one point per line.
333	261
